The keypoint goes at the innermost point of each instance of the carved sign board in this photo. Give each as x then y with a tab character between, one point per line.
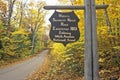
64	27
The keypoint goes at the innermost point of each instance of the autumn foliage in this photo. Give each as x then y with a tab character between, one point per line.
23	35
27	35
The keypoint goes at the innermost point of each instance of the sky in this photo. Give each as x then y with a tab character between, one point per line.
50	12
51	2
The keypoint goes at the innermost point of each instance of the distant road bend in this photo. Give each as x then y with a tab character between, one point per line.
21	71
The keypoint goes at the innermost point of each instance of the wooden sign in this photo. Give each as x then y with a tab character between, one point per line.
64	27
91	71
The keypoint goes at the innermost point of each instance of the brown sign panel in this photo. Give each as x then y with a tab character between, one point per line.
64	27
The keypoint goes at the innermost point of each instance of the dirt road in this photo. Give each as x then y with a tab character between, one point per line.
22	70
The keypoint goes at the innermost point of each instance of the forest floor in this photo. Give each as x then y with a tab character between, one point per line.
43	73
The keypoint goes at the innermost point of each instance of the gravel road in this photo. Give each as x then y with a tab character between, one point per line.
23	70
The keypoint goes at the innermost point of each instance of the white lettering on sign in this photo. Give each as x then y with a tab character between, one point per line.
59	36
63	40
73	28
71	20
63	16
58	20
63	24
65	36
64	32
59	28
71	40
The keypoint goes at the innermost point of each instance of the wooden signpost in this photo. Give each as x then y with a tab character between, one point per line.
91	70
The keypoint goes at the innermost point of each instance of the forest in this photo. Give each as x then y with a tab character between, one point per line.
24	32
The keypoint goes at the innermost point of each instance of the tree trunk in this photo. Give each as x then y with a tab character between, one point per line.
21	12
37	24
10	7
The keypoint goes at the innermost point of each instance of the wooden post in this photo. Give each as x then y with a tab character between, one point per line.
91	56
72	7
91	68
95	46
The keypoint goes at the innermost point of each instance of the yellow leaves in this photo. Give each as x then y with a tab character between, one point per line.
99	2
26	42
41	29
15	44
9	52
2	7
8	48
102	30
58	48
111	36
2	28
22	31
31	4
104	71
34	11
114	8
117	47
18	32
76	2
1	23
58	51
6	39
101	60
